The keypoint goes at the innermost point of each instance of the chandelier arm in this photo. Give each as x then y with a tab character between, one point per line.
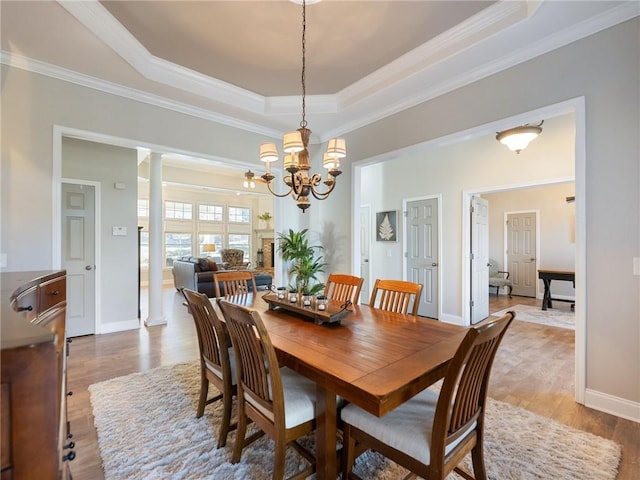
322	195
277	194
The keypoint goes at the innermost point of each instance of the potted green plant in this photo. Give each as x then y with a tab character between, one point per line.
266	218
305	265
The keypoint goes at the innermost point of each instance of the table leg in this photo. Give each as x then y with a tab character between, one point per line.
546	299
326	434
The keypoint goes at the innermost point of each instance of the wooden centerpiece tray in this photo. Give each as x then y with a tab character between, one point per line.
333	314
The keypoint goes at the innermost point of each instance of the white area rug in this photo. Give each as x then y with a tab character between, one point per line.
147	430
553	317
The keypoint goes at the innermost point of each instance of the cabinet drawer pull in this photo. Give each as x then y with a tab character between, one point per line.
55	293
28	309
69	456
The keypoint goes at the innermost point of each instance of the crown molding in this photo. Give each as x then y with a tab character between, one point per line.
43	68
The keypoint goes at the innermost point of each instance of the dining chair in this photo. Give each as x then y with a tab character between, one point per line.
217	363
235	282
396	295
432	432
278	400
342	287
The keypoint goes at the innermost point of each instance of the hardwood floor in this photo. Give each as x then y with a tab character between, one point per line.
534	369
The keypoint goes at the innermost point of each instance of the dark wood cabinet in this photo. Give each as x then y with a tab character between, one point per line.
35	436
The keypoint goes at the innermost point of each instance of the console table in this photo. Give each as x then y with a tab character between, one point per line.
546	276
35	433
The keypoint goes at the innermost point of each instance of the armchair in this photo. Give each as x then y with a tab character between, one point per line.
498	278
233	259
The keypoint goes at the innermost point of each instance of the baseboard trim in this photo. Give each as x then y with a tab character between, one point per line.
114	327
453	319
617	406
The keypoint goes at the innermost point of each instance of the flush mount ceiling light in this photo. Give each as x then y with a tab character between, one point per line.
248	180
518	138
296	159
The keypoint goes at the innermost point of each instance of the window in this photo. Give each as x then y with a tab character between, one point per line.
210	213
209	239
239	215
179	210
143	208
176	245
241	242
144	249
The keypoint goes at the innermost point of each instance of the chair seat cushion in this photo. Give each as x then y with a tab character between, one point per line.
407	428
299	398
499	282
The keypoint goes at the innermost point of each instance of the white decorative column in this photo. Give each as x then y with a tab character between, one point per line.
156	316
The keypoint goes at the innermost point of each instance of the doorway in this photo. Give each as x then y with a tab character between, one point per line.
365	245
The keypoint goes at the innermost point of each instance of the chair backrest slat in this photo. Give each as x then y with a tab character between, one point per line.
464	390
213	338
234	283
257	365
342	287
396	295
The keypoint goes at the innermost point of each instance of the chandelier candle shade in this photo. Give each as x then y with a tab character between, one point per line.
295	145
517	139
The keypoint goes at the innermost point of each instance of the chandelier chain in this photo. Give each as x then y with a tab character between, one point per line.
303	123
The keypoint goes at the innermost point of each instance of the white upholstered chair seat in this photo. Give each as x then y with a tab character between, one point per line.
407	428
299	399
218	372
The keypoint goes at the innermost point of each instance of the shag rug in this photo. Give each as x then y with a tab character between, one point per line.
553	317
147	429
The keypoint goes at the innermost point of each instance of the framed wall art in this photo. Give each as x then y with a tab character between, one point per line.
386	226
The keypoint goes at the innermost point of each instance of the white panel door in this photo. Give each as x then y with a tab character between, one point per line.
422	252
479	259
78	257
521	253
365	245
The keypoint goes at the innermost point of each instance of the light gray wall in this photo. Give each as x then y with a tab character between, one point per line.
478	164
604	68
557	221
118	267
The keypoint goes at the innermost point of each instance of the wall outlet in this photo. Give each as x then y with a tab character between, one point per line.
636	266
120	231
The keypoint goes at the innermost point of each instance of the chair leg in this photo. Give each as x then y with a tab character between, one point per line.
477	457
278	459
348	452
510	289
240	433
204	391
226	420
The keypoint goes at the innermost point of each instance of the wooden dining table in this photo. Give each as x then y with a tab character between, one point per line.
372	358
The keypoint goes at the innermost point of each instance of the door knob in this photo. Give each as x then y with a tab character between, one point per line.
434	264
88	267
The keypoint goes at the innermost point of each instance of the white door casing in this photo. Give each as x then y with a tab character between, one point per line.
521	252
422	257
78	257
365	245
479	256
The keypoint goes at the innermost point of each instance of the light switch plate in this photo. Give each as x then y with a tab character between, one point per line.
3	260
120	231
636	266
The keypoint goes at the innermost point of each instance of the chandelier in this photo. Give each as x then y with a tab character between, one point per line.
517	139
301	182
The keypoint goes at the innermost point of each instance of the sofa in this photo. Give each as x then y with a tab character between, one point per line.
196	273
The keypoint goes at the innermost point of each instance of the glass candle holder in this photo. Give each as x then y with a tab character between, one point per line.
307	300
322	302
293	296
281	292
